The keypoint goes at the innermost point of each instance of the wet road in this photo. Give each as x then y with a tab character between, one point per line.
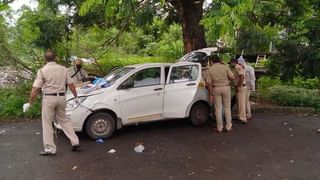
272	146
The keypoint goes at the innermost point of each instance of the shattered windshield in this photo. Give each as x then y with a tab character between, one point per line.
116	74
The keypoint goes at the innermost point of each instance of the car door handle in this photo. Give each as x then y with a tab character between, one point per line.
191	84
157	89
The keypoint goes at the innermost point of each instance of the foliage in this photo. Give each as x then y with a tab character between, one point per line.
293	96
12	100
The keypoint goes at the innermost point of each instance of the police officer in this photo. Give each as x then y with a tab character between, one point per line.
241	89
52	78
77	73
205	74
219	79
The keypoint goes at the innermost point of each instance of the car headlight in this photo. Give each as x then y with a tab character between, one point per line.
72	104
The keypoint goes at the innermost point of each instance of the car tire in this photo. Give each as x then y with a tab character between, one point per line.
100	126
199	114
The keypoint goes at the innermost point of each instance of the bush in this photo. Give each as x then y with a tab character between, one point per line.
294	96
12	100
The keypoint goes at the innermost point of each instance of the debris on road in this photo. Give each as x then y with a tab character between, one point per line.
37	133
291	161
318	131
139	148
99	141
290	129
2	132
111	151
285	123
74	167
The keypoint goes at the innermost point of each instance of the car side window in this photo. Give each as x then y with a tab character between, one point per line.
184	74
146	77
195	57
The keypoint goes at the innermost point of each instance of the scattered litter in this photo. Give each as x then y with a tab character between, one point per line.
139	148
291	161
37	133
2	131
259	175
190	174
318	131
189	157
306	114
111	151
290	129
285	123
99	141
74	167
315	115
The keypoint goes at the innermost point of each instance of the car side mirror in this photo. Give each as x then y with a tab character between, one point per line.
126	85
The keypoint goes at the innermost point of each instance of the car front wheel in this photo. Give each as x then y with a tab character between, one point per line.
199	114
100	125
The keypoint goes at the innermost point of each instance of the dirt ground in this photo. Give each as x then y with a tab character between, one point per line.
271	146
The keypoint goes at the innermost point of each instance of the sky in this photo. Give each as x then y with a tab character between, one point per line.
16	4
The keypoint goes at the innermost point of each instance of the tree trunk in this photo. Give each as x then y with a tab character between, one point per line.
190	14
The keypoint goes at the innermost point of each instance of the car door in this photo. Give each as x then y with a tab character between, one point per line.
141	95
180	89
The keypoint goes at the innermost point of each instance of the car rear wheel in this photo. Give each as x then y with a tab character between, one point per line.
199	114
100	125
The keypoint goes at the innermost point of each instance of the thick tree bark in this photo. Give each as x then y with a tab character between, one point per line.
190	13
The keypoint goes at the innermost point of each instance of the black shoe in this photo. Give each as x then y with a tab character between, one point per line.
75	147
46	153
239	121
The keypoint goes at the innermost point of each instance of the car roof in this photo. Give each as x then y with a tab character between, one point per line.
136	66
148	64
207	50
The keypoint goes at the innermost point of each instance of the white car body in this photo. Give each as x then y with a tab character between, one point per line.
171	98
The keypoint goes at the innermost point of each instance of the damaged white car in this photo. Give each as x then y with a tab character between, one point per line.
141	93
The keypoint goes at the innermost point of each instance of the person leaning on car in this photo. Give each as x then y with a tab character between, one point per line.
52	78
219	79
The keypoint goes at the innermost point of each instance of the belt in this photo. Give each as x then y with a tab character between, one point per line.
54	94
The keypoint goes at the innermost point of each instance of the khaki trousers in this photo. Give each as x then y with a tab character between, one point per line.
248	106
241	103
55	107
222	99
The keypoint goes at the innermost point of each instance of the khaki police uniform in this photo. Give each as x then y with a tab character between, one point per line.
241	93
77	77
205	74
219	78
52	78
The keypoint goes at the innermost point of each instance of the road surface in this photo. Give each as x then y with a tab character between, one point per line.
272	146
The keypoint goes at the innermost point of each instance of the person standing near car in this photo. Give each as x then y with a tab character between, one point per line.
219	79
52	79
77	73
241	89
250	79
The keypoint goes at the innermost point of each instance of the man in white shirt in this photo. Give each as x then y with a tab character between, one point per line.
251	84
